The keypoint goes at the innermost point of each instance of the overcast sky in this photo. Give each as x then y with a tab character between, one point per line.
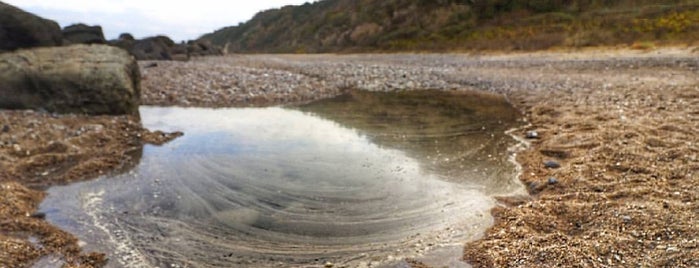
181	20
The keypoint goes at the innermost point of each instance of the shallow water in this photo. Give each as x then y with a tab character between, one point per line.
357	180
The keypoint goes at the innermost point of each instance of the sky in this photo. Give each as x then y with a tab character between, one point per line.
180	20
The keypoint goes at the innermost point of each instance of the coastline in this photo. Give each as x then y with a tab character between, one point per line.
621	124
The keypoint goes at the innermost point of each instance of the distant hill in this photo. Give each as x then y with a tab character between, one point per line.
436	25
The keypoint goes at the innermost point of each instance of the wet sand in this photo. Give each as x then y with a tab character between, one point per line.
621	124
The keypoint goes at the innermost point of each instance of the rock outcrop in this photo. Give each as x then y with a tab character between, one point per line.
152	48
163	48
202	48
20	29
91	79
83	34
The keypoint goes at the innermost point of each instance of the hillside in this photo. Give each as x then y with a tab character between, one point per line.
436	25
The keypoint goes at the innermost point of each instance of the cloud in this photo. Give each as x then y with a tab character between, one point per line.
178	19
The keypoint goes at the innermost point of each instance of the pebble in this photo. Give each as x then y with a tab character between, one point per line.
329	264
552	181
5	128
551	164
532	135
38	215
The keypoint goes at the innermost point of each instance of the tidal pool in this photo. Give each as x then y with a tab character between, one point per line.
363	179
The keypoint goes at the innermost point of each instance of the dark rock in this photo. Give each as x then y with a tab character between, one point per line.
5	128
83	34
92	79
179	52
126	37
202	48
151	65
152	48
163	48
552	181
533	186
532	135
551	164
38	215
20	29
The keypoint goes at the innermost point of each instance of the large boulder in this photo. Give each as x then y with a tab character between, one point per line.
91	79
151	48
83	34
20	29
202	48
163	48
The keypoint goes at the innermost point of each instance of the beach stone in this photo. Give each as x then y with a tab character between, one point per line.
532	135
20	29
90	79
551	164
38	215
83	34
552	181
5	128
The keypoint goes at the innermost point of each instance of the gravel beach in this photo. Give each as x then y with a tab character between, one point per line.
612	162
612	170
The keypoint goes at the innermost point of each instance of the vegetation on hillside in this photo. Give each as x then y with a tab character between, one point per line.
402	25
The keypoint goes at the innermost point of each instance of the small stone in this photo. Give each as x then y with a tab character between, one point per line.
626	219
5	128
532	135
551	164
38	215
329	264
552	181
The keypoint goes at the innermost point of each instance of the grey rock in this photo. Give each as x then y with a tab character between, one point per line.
126	37
533	186
552	181
91	79
20	29
38	215
532	135
83	34
551	164
152	48
5	128
202	48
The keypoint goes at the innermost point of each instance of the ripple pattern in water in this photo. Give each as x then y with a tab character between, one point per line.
272	187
